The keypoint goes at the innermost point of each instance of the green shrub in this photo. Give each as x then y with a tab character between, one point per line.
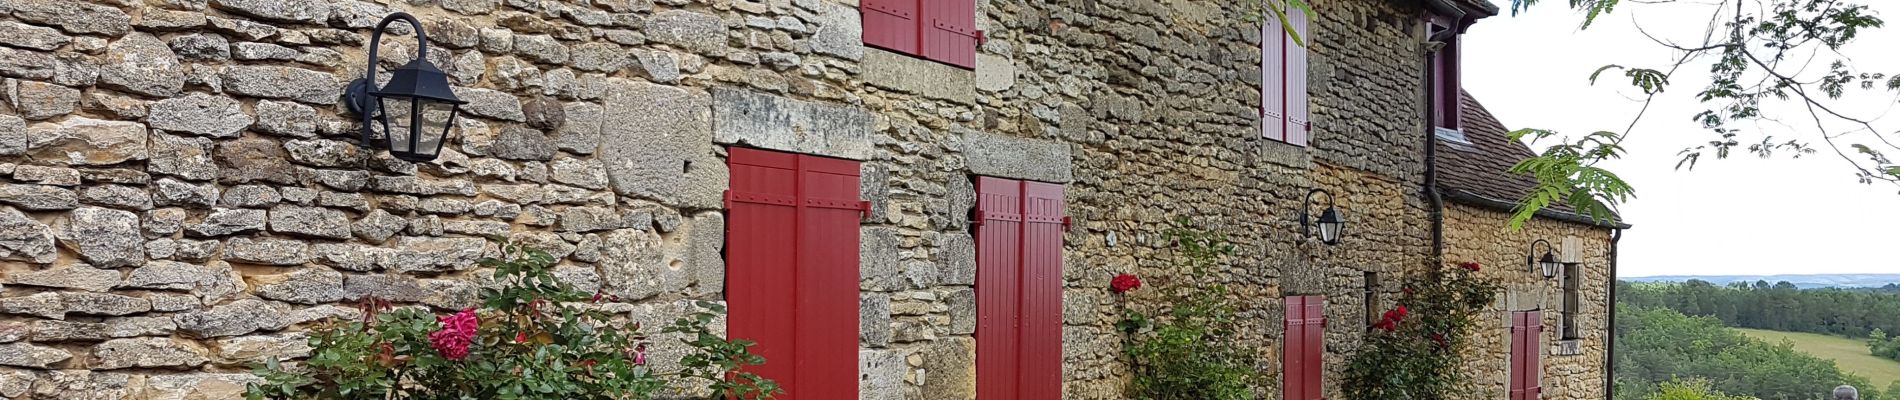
1192	349
1691	389
535	337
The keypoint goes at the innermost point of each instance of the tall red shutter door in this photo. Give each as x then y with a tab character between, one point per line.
1272	79
762	213
792	269
1293	357
950	34
828	277
1315	339
1297	125
892	24
1041	329
1019	290
999	248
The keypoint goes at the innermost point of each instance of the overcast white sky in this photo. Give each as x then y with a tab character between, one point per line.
1741	216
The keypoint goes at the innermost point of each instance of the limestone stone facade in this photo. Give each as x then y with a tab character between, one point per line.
181	192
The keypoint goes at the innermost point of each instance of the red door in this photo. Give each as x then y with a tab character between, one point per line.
1019	289
792	269
1527	329
1303	360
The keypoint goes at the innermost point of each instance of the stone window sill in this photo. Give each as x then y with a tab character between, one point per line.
908	74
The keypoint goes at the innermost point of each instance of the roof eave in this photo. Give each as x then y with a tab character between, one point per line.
1477	200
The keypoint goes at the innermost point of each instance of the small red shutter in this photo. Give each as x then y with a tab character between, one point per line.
1315	339
1450	85
792	269
999	248
1019	289
1293	358
949	28
1297	125
891	25
1273	80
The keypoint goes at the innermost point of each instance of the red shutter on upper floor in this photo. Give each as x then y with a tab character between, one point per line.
1285	111
892	25
950	34
1297	125
1019	289
1446	86
792	269
1273	80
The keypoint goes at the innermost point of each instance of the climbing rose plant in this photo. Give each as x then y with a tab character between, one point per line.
1416	351
1191	349
534	337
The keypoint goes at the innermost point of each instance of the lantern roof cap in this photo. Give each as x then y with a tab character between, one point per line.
419	78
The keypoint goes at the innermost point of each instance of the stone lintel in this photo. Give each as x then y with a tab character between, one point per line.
778	123
1017	158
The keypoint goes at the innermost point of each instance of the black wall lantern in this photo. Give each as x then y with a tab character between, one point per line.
1547	264
1331	225
415	111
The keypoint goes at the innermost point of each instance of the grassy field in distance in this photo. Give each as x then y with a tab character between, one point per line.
1850	354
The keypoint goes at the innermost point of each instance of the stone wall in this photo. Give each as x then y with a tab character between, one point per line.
1483	235
182	193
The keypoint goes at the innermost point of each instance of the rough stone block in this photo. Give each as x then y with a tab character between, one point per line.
656	143
908	74
778	123
1018	158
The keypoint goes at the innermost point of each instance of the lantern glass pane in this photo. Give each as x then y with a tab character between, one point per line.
1329	231
419	124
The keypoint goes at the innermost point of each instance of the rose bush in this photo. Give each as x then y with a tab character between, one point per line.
1415	351
1192	349
534	337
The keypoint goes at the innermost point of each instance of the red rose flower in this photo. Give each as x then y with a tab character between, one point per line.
1124	283
521	337
458	331
1403	312
1470	266
640	354
1409	290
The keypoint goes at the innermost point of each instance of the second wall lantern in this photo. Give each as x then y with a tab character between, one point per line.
1330	224
415	111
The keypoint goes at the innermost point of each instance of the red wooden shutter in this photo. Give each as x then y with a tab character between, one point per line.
1315	339
762	212
1297	124
1273	80
999	249
1042	291
1526	366
1533	351
1019	289
792	269
1450	85
1293	358
950	34
891	25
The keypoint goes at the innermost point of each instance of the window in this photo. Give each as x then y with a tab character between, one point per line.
1527	370
1446	83
792	269
1019	228
939	30
1283	100
1373	307
1302	362
1573	301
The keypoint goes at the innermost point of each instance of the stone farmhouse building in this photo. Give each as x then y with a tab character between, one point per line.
899	199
